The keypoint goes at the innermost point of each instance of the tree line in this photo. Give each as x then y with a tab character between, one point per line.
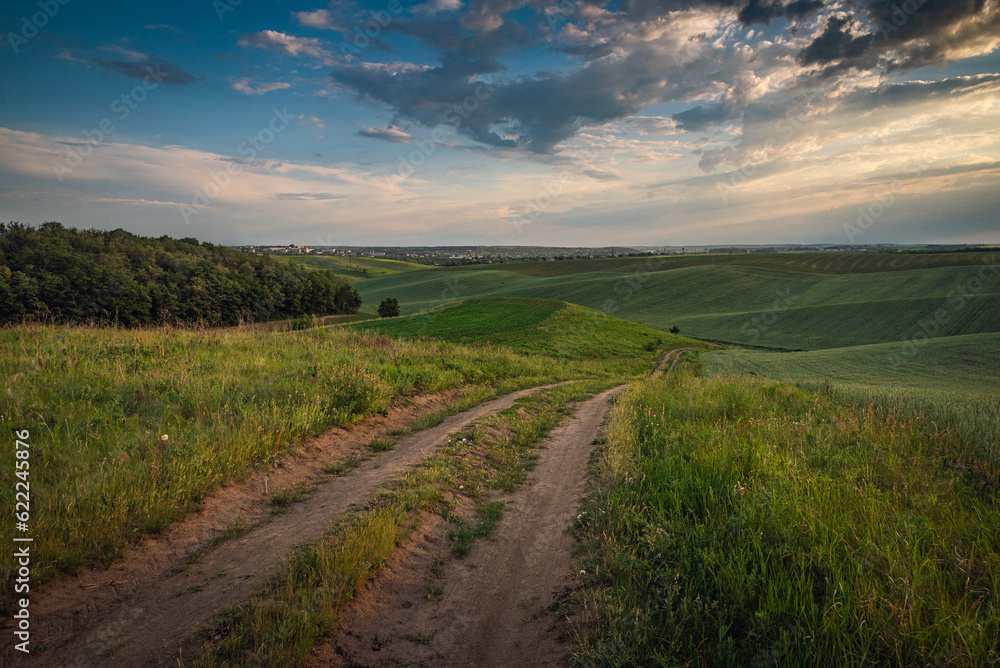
65	275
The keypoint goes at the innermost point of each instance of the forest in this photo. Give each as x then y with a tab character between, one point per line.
60	274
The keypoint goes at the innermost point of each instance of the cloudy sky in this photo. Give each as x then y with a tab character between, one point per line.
505	121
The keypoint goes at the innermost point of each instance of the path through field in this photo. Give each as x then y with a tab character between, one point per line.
147	626
498	606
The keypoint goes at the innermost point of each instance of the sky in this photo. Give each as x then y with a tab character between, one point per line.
505	122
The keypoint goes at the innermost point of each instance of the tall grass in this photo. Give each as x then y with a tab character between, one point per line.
131	429
745	523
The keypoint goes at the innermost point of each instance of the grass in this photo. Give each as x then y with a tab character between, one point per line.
735	522
535	326
98	403
952	378
303	602
765	305
814	263
352	268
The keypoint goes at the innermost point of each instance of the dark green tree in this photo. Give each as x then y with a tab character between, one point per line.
347	299
389	308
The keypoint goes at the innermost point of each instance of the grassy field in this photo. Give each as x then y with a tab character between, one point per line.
556	329
820	263
741	303
953	378
353	268
734	522
130	429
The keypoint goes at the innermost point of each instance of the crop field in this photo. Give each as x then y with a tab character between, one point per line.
733	303
736	522
954	378
563	331
353	268
819	263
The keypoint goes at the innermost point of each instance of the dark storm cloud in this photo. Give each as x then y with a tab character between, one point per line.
701	117
621	73
903	34
155	69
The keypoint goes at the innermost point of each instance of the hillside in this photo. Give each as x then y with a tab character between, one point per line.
352	268
537	326
740	304
64	275
817	263
953	377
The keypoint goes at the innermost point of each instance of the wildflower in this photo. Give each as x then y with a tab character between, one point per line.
164	438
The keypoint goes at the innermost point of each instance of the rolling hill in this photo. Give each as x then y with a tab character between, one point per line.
740	303
537	326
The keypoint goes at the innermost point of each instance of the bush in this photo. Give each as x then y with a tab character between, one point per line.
675	330
389	308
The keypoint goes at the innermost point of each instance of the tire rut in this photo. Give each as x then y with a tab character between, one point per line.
496	605
147	627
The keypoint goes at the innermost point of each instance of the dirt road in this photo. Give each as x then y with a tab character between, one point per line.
495	606
499	605
144	623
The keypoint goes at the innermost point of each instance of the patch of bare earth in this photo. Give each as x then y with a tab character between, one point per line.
136	612
499	605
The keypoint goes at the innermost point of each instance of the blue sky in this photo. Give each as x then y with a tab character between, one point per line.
505	122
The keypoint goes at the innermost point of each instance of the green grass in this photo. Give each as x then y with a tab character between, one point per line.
98	402
555	329
764	306
510	322
735	522
352	268
953	378
821	263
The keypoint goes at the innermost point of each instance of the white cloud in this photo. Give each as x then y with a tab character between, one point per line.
272	40
245	85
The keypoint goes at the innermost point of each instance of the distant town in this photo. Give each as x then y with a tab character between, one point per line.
456	255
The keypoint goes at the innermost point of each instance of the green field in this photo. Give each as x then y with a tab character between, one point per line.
738	303
555	329
955	378
354	267
819	263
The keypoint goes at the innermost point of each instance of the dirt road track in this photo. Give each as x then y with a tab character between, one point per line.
494	609
146	627
672	358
